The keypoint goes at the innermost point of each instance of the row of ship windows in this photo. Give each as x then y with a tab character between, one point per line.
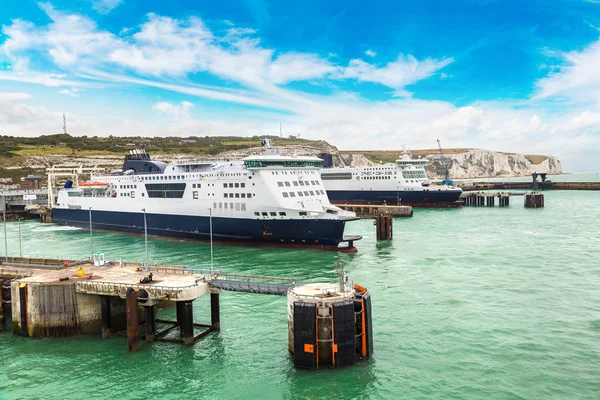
274	214
237	195
230	206
376	177
301	194
296	183
292	172
241	185
414	175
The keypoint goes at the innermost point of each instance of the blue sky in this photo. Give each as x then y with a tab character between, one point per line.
503	75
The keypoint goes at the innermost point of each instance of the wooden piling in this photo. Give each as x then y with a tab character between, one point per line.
383	227
2	325
133	324
6	322
185	318
23	309
106	317
215	317
150	318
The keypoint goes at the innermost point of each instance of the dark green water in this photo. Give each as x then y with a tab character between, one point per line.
468	303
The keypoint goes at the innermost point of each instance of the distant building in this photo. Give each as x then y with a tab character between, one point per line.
293	137
31	182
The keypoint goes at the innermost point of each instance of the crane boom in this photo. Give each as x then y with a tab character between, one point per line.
447	180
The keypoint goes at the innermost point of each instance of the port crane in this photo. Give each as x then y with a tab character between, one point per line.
447	180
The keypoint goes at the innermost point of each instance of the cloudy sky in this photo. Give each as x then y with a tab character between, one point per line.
507	75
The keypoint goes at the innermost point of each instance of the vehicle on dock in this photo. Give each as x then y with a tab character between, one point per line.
404	182
266	198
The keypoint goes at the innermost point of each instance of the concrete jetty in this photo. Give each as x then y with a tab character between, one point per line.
373	210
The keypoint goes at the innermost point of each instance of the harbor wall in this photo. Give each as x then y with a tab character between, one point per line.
56	310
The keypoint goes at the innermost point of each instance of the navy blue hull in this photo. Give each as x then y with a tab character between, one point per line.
405	197
311	232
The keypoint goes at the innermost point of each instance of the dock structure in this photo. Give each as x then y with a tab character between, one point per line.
58	298
384	227
487	199
534	200
373	210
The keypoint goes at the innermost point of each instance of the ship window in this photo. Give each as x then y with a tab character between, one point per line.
224	185
295	183
292	194
237	195
312	193
313	182
237	206
300	194
237	185
273	214
231	205
243	205
242	185
280	184
143	195
337	176
306	193
248	195
282	214
285	194
231	185
226	205
264	214
302	213
306	183
243	195
301	183
225	195
257	214
165	190
287	183
195	194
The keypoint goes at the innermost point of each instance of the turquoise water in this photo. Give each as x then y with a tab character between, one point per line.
468	303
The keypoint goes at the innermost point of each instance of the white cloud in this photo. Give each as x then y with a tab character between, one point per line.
105	6
577	78
10	96
397	74
73	92
178	111
370	53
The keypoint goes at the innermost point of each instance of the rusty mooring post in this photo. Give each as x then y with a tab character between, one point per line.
133	323
105	310
150	317
383	226
215	316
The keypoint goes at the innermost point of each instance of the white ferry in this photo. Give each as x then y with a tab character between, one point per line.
268	198
404	182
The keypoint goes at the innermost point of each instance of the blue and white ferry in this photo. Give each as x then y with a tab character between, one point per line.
404	182
267	198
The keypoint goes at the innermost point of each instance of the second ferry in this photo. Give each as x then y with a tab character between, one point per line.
268	198
404	182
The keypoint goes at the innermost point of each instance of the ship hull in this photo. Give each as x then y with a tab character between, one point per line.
308	232
415	198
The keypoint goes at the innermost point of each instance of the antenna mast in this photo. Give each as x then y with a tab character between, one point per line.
65	124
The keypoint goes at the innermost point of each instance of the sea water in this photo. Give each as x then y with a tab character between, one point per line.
468	303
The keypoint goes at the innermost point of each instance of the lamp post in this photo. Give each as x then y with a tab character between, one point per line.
211	243
20	248
5	237
146	235
91	238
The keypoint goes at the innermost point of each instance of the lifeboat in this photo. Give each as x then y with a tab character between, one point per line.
93	185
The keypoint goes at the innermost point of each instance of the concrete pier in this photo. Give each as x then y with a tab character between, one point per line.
215	317
534	200
487	199
133	323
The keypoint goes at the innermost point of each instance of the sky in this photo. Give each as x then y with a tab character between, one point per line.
514	76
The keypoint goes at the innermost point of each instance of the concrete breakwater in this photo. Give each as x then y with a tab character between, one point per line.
530	185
